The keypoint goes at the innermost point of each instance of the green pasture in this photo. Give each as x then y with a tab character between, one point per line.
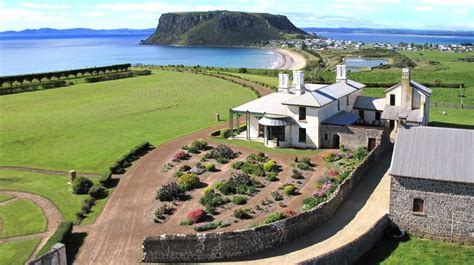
21	217
17	252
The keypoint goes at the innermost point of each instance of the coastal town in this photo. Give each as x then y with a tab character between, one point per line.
234	137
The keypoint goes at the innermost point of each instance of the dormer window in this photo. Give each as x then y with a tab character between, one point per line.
302	114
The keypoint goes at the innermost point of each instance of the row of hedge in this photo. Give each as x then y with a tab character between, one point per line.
431	84
125	161
96	79
274	88
61	235
225	133
34	87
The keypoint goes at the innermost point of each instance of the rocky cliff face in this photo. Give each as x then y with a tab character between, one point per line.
220	28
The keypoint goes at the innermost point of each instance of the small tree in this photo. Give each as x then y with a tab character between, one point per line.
81	185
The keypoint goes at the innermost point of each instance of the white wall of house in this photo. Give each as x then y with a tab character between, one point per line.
397	91
311	125
254	126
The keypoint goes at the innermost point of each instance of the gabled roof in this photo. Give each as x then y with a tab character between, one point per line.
369	103
325	95
434	153
423	89
269	104
341	118
394	113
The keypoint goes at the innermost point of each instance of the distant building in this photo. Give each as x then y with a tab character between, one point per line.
432	183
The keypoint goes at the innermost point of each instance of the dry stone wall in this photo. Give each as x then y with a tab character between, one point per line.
351	136
202	247
448	208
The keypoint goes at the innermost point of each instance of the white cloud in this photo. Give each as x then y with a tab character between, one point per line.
449	2
95	14
44	6
424	8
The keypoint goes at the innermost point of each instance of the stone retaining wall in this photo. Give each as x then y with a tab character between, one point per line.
349	253
202	247
56	256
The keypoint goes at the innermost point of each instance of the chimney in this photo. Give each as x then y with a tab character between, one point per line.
283	82
298	81
341	72
407	90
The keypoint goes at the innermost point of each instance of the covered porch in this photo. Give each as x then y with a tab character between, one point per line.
271	130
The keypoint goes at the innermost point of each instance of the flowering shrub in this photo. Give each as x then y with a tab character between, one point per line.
289	213
188	181
290	189
199	144
361	153
221	153
333	173
180	156
270	166
196	215
169	192
277	216
349	156
198	169
322	192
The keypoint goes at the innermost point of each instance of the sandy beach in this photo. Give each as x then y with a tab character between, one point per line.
291	60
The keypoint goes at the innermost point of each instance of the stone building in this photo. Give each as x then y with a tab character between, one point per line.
432	183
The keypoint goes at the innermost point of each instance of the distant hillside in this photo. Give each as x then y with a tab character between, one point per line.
221	28
49	32
393	31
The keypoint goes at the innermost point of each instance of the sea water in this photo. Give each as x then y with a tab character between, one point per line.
34	55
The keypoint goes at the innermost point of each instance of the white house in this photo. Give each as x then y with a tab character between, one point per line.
407	102
293	115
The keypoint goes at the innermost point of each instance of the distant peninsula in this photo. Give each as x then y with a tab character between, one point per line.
222	28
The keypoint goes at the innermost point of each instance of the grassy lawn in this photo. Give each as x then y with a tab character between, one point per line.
53	187
260	147
88	126
5	197
18	252
21	217
417	251
461	118
271	81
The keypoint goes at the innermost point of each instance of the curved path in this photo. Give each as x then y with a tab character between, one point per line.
47	171
51	212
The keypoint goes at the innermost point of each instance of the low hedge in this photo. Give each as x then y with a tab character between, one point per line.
33	87
225	133
431	84
61	235
125	161
142	72
95	79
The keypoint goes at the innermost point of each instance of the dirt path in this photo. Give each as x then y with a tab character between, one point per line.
47	171
50	211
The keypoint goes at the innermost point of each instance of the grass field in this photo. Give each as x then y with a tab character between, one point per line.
88	126
417	251
18	252
21	217
5	197
271	81
262	148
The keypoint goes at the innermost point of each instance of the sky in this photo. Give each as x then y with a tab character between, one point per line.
112	14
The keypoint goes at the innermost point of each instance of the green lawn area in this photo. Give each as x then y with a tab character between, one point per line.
88	126
5	197
417	251
18	252
271	81
21	217
53	187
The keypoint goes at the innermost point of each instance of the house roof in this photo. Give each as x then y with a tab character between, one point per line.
270	121
423	89
269	104
318	97
395	112
341	118
434	153
369	103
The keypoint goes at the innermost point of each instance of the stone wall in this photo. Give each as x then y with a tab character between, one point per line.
224	245
351	136
448	208
56	256
349	253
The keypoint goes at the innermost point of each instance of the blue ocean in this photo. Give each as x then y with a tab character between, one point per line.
33	55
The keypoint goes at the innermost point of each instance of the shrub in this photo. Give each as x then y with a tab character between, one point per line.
256	158
210	210
332	173
210	167
222	151
243	213
296	174
361	153
199	144
239	200
186	221
178	173
311	202
259	171
208	190
196	215
208	226
222	160
290	189
193	150
61	235
238	165
188	181
97	192
169	192
272	176
180	156
185	168
81	185
270	166
199	169
161	212
289	213
213	199
142	72
274	217
225	133
277	196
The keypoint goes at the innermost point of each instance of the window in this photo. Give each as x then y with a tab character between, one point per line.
302	135
338	104
418	205
347	100
392	100
302	113
325	136
377	115
361	114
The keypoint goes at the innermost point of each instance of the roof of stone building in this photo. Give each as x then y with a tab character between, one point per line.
341	118
324	95
369	103
423	89
395	112
270	104
434	153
